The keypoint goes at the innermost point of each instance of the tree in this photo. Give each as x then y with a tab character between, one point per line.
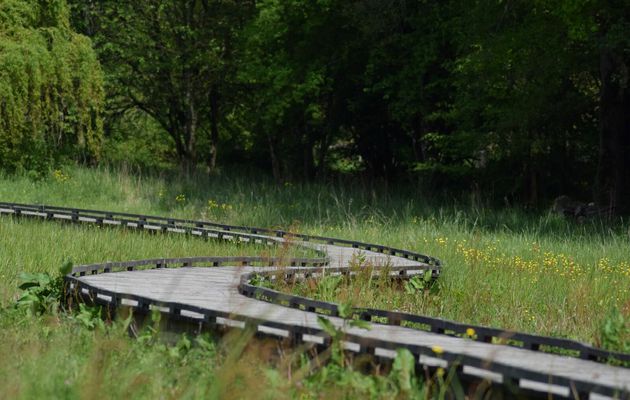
522	99
409	46
340	75
295	62
601	28
172	60
51	88
611	32
524	105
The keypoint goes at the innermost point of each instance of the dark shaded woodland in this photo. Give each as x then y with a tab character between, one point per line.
514	100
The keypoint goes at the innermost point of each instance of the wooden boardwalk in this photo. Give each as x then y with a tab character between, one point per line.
216	289
192	291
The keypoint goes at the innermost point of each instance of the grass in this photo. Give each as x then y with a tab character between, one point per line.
556	286
533	272
87	244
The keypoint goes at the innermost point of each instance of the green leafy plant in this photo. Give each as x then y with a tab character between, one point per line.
337	333
42	292
403	372
181	348
418	283
90	318
327	286
150	333
260	280
615	331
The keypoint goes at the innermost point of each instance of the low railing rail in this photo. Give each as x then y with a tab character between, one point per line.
545	344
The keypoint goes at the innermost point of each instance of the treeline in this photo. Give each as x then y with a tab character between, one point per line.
516	99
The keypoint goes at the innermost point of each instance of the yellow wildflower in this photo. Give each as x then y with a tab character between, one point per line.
437	349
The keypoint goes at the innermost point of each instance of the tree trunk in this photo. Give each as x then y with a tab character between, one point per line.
275	163
214	129
418	145
187	165
327	131
180	147
613	172
533	186
191	138
323	152
308	159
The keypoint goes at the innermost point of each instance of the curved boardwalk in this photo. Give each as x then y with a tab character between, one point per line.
214	295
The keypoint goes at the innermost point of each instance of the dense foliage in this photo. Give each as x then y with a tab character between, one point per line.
518	100
51	90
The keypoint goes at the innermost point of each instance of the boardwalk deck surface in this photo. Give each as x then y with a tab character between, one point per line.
216	289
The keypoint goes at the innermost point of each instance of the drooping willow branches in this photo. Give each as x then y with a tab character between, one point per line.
51	88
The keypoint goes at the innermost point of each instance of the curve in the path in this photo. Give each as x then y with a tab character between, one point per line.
227	296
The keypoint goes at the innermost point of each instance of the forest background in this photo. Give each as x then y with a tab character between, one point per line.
503	100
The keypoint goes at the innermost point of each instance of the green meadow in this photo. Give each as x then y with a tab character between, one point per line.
534	272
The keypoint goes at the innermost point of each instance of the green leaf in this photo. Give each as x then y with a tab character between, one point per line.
184	343
66	267
361	324
345	310
327	326
28	280
27	299
403	369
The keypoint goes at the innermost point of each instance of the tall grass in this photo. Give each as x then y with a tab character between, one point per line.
33	246
507	268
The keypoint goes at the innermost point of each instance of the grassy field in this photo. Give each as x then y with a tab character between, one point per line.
532	272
